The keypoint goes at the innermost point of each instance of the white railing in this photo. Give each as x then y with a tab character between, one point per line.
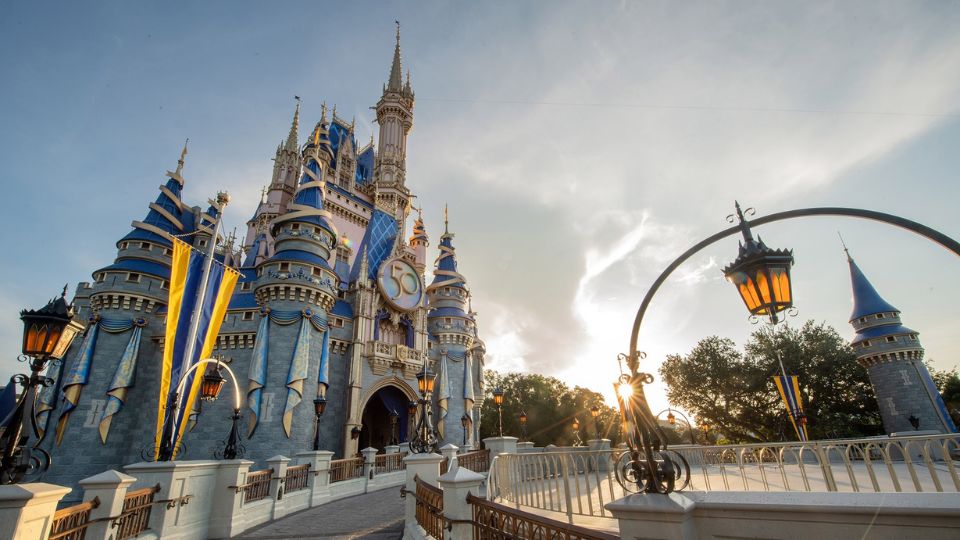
581	482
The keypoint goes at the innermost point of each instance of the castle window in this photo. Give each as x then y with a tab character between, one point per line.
863	319
891	339
168	252
123	245
145	245
245	286
913	337
164	284
133	277
295	227
203	243
879	315
101	277
447	320
865	343
284	267
315	271
247	316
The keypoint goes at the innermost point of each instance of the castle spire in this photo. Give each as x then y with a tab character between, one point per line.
183	154
866	299
292	137
396	71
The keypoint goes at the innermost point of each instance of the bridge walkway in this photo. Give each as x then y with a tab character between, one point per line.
372	516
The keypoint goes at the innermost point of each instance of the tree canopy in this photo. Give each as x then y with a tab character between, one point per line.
551	407
734	392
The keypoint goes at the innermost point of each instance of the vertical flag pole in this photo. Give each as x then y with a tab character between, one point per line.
167	445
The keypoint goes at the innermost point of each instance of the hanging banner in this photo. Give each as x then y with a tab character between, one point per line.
789	388
186	275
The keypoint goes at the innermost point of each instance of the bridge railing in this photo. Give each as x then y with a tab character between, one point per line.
581	482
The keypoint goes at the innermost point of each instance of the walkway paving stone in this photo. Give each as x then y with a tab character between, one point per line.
372	516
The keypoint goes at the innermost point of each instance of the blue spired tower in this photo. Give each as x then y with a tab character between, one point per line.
455	348
893	357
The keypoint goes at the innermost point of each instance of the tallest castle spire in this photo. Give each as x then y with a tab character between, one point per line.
396	70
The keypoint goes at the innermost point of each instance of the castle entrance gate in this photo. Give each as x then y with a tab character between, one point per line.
379	427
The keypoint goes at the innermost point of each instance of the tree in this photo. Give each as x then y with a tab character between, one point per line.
735	393
948	384
550	405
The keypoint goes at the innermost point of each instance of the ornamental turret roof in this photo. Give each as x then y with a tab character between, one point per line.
168	213
866	300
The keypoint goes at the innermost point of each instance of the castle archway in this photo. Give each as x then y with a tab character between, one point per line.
379	429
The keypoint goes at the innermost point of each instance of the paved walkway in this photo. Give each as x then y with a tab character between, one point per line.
372	516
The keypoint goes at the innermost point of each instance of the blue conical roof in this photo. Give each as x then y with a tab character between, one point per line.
157	219
447	263
866	300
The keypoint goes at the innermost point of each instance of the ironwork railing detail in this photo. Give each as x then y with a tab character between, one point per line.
296	478
495	521
71	523
476	461
135	517
385	463
346	469
429	510
257	487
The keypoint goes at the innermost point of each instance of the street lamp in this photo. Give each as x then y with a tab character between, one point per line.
411	419
498	401
672	420
760	274
47	334
576	432
319	406
523	426
465	422
425	437
210	386
595	413
394	422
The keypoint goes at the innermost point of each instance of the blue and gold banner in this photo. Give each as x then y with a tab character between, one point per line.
186	275
123	379
789	387
257	374
77	377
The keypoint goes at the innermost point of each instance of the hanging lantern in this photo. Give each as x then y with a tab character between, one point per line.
498	396
426	380
412	409
465	421
671	418
319	406
576	424
595	411
211	384
523	418
48	331
355	433
761	275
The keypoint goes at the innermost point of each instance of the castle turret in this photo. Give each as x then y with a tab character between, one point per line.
395	116
893	357
286	170
419	242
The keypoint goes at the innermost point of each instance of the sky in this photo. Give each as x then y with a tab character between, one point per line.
581	147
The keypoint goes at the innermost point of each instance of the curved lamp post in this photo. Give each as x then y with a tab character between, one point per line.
595	413
762	278
319	406
425	438
47	334
672	420
576	432
210	387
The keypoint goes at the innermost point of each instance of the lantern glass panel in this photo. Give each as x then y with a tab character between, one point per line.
764	286
781	285
66	338
671	419
523	418
412	408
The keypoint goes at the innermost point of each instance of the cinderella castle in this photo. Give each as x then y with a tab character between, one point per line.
332	297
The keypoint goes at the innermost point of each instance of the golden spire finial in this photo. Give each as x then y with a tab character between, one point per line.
446	219
183	154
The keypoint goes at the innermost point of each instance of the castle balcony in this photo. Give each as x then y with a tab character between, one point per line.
387	358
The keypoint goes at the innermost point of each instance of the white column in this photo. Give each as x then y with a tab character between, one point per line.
598	444
319	480
26	510
456	484
279	465
109	487
404	448
449	452
501	445
391	449
178	479
655	516
524	447
369	458
226	514
427	468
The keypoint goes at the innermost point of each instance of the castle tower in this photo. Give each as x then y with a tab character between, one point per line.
395	116
419	242
453	330
893	357
286	170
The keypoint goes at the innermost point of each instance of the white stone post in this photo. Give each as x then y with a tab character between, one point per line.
109	488
319	480
226	514
456	484
449	452
525	447
279	465
655	516
501	445
404	448
369	459
598	444
427	467
177	479
391	449
466	448
26	510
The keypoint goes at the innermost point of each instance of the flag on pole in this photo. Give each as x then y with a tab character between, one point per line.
186	275
789	387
